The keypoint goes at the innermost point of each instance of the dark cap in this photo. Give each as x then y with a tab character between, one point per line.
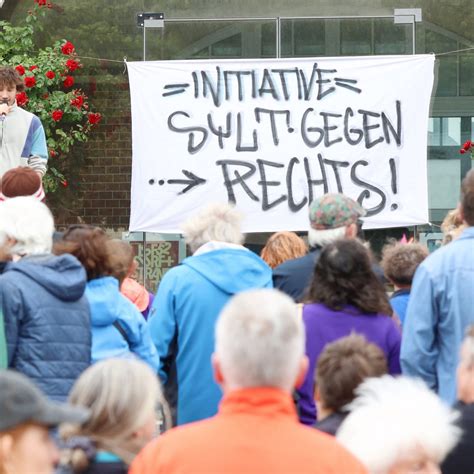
331	211
22	402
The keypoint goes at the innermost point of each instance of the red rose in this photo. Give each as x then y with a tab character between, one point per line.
72	65
64	183
50	75
57	115
41	3
20	70
52	154
466	147
32	68
30	81
78	101
69	81
21	98
67	48
94	118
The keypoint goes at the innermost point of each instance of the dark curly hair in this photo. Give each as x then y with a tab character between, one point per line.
89	245
343	276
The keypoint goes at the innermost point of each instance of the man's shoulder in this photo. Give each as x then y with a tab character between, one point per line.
170	447
24	114
300	263
197	441
450	255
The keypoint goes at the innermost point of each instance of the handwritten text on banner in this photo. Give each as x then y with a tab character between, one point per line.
271	135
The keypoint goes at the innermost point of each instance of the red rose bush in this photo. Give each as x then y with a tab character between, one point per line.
50	91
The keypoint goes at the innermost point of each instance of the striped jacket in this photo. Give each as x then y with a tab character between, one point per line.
22	141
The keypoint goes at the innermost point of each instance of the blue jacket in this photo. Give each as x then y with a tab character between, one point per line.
109	306
399	302
189	300
440	309
47	321
293	277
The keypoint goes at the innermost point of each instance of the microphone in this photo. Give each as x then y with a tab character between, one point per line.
3	114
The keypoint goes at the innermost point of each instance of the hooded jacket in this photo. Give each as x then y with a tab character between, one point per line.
188	302
109	306
47	321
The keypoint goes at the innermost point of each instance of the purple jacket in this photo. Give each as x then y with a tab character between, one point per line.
324	325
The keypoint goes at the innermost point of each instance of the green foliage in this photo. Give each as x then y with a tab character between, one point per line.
48	75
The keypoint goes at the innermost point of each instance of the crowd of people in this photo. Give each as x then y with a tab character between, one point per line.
312	357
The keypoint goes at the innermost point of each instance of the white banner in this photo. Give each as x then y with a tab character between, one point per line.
271	135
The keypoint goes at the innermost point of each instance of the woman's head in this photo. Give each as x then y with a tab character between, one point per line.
452	226
343	276
283	246
26	416
26	227
398	426
121	258
89	245
123	396
217	222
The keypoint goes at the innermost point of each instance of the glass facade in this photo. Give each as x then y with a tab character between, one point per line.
265	29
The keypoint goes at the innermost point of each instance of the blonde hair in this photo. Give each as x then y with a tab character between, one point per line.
283	246
219	222
452	226
122	394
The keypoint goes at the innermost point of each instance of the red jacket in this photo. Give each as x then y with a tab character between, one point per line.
255	431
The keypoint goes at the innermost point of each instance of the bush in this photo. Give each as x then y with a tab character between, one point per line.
48	74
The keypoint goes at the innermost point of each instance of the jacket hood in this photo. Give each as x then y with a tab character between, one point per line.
63	276
232	270
104	296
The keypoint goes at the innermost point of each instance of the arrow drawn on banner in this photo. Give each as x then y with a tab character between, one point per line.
190	183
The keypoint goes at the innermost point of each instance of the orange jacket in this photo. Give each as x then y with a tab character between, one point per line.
255	431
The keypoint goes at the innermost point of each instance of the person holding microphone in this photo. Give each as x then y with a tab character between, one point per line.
22	137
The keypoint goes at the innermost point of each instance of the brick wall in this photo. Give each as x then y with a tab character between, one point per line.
100	171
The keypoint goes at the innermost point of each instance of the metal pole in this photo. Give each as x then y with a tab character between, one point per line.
278	37
144	260
144	43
